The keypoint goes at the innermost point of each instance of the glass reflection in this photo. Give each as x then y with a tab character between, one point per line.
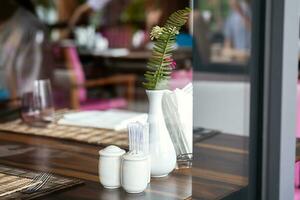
223	30
221	54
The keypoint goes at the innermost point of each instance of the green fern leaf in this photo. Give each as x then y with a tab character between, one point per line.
159	64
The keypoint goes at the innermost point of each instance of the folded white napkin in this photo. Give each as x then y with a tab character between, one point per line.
111	119
177	108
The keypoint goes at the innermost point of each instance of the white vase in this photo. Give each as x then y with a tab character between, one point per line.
162	152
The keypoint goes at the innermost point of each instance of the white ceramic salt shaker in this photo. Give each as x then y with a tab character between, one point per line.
110	166
135	172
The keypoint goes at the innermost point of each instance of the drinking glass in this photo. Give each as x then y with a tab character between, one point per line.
37	105
29	109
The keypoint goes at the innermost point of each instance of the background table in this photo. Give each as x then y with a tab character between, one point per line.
132	60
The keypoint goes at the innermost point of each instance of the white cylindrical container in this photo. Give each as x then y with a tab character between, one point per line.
135	172
110	166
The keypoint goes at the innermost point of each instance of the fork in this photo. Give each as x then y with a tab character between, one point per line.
43	178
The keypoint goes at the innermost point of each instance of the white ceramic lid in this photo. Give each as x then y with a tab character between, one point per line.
112	150
134	156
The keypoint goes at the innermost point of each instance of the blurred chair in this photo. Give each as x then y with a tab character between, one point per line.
297	165
79	85
180	78
297	194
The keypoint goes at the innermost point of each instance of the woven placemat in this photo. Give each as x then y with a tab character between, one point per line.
19	177
81	134
11	184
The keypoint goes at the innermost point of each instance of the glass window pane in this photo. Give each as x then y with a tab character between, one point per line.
222	46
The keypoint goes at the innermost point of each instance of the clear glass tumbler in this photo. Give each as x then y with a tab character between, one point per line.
37	105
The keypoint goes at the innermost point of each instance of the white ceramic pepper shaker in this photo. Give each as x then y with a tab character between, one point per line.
135	172
110	166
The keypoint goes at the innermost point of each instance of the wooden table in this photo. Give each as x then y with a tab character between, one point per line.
129	60
180	53
79	160
220	167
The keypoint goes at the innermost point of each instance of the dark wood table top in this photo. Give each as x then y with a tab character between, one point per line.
80	160
220	167
180	53
132	60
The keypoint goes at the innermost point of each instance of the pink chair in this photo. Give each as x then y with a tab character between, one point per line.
180	78
297	194
79	85
297	165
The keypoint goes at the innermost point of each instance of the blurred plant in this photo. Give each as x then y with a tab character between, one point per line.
161	63
134	13
219	10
